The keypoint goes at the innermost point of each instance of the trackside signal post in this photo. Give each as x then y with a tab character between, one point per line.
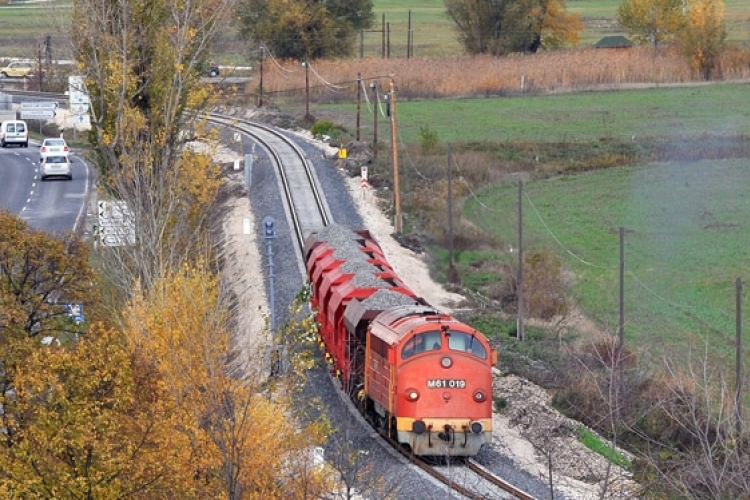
276	354
269	231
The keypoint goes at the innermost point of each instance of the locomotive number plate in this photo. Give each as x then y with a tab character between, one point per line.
446	383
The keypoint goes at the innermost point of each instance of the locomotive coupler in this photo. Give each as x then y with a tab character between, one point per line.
446	434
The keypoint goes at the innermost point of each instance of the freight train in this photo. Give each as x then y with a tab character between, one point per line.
419	374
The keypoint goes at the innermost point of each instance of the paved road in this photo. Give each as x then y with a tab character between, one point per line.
53	205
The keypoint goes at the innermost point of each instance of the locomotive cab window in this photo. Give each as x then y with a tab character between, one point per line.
460	341
421	342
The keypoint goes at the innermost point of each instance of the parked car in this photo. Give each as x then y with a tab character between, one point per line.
53	146
213	70
18	69
57	166
14	132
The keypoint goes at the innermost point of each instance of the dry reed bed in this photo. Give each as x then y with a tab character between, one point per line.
485	75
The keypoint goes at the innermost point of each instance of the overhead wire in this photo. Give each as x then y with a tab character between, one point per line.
273	59
332	86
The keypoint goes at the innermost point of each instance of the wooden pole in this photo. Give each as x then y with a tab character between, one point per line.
520	334
621	326
382	28
307	90
450	212
260	84
738	359
374	87
397	223
359	101
408	37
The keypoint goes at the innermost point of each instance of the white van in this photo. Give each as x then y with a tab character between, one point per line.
14	132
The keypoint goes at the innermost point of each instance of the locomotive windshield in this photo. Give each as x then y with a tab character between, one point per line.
460	341
421	342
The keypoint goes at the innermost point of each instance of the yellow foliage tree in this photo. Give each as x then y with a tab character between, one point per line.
85	421
246	437
704	37
652	21
142	65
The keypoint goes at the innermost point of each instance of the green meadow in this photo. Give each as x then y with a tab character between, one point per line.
432	31
585	116
685	243
685	223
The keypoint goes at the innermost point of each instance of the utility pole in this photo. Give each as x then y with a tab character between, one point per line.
39	72
520	333
408	37
452	260
394	141
621	326
260	86
382	26
374	87
359	100
307	90
738	358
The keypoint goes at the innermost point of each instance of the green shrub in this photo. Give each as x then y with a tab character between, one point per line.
499	403
428	139
326	127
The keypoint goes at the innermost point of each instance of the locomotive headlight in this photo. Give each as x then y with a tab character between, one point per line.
476	427
412	394
479	396
446	362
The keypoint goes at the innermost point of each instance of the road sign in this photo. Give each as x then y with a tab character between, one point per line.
35	114
116	224
75	312
27	105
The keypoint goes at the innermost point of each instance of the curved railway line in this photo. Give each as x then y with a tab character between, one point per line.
304	202
307	211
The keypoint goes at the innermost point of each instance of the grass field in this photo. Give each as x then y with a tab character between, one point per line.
432	31
685	244
587	116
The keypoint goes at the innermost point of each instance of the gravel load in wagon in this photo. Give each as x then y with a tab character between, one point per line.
385	299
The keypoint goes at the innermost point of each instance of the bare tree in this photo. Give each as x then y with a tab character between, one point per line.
141	64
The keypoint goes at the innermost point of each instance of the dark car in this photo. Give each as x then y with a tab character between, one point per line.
213	70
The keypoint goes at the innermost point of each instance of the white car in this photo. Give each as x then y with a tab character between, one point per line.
14	132
53	147
57	166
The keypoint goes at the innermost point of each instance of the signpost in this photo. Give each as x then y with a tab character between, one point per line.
38	110
79	101
116	224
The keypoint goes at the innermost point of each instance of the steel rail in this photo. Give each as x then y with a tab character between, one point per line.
291	193
500	483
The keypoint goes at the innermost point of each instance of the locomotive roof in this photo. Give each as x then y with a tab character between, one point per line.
383	324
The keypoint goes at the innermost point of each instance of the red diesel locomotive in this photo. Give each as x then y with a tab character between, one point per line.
421	375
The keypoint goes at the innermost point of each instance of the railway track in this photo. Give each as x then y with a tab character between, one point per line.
464	476
306	207
308	211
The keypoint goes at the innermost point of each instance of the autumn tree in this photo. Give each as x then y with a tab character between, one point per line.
501	27
652	21
141	64
703	37
305	29
39	273
86	421
244	439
